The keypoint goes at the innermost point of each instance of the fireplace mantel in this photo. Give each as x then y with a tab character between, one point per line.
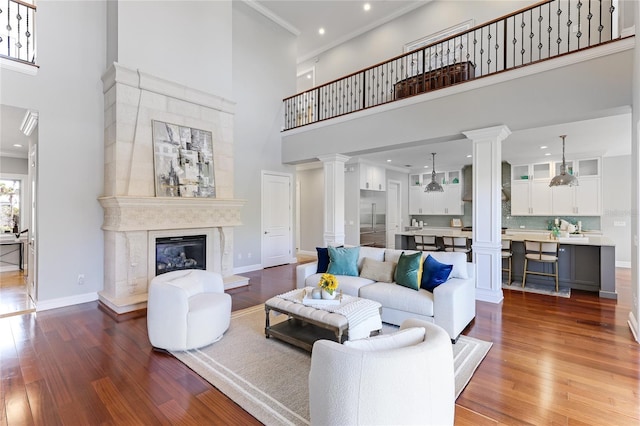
128	213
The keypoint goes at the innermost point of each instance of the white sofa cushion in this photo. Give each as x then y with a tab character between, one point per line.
400	339
395	296
347	284
393	255
374	253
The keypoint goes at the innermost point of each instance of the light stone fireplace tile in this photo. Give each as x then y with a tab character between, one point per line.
131	209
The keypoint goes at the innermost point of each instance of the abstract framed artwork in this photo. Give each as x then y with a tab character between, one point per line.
183	161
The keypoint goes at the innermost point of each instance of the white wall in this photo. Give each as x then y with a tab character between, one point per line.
187	42
14	165
387	41
263	74
615	221
67	93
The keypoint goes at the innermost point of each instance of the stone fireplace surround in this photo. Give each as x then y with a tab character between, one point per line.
133	215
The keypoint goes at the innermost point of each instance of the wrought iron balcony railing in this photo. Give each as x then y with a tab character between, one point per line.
539	32
17	31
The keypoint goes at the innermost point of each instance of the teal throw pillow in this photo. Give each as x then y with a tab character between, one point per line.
434	273
343	261
409	270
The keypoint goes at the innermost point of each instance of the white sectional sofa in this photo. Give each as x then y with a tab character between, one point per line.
452	305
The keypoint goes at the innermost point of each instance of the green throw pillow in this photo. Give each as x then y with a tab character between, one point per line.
409	270
343	261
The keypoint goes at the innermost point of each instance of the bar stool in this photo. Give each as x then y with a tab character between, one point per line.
459	244
426	242
542	252
507	254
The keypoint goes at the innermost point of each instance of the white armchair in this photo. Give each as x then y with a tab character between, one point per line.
187	309
387	380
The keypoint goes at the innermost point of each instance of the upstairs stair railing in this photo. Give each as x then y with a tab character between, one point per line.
17	31
539	32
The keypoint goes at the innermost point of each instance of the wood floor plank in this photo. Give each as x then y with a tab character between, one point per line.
554	361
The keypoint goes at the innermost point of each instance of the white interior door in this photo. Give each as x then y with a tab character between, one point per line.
394	212
31	247
276	219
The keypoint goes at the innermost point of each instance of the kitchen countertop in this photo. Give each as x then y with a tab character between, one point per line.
589	238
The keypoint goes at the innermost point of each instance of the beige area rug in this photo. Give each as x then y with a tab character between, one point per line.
269	378
548	290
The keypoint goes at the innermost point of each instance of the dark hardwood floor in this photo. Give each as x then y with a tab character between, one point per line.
553	361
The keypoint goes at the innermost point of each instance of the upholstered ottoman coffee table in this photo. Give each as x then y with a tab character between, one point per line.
308	321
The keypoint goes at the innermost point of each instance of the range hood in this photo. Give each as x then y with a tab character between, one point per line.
467	180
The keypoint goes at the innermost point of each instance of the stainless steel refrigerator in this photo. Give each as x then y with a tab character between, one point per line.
373	208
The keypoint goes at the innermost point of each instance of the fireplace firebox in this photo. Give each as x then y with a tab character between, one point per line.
176	253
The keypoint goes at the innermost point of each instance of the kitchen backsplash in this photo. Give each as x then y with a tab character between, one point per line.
589	223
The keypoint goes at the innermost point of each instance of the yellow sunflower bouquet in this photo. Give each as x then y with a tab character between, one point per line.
328	282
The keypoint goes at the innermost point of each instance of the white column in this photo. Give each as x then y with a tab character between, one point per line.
487	212
333	198
634	314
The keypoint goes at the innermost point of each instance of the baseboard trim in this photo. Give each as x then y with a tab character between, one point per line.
62	302
248	268
489	296
633	325
621	264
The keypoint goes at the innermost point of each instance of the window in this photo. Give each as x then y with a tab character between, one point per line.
10	190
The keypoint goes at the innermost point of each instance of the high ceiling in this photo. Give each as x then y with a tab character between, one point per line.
341	19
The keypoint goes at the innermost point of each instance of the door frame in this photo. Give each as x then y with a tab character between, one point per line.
289	176
398	204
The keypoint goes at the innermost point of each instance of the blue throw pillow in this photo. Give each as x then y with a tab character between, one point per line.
323	259
435	273
409	270
343	261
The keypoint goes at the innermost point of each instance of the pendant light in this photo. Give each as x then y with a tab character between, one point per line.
433	185
563	178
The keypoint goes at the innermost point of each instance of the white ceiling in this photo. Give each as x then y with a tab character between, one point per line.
341	19
10	134
600	137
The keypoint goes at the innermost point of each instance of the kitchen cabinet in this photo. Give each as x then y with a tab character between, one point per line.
372	177
584	199
448	202
530	192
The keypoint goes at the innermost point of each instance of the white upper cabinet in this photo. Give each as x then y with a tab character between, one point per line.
532	196
584	199
448	202
373	177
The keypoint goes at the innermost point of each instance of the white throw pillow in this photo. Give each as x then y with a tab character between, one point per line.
400	339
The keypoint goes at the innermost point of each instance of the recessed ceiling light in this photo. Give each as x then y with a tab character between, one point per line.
321	31
426	167
543	147
469	156
388	161
17	145
366	7
547	153
309	76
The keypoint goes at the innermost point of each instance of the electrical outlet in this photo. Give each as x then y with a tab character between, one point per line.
249	255
81	279
239	256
